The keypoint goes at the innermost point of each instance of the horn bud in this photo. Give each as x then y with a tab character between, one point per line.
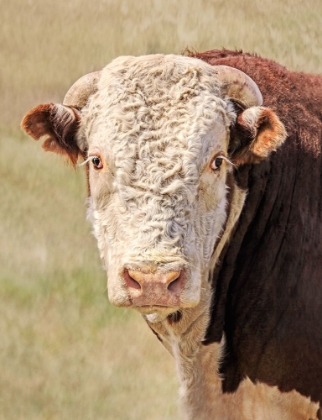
78	94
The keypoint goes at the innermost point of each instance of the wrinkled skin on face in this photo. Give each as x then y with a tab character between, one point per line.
159	202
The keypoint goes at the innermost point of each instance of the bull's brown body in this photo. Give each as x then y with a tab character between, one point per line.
268	298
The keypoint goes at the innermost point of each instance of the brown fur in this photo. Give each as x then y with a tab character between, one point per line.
268	289
57	125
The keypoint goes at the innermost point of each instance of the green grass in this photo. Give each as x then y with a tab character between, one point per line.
65	353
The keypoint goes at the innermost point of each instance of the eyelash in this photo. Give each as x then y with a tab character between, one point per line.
97	165
216	166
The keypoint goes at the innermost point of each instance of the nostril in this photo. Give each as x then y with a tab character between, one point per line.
130	281
176	283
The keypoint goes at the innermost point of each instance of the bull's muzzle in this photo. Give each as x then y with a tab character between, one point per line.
154	288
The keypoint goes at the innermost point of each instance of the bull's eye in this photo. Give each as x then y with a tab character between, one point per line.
216	163
97	163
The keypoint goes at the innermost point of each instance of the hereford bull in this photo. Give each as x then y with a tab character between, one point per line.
216	242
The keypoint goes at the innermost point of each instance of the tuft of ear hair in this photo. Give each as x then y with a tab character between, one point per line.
256	134
58	125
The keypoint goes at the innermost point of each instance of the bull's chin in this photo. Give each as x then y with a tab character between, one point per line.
155	314
158	313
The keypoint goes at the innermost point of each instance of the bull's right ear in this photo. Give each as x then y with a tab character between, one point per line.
58	125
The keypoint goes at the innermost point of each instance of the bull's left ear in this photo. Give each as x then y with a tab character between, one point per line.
256	133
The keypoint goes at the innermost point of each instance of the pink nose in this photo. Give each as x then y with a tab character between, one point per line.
154	289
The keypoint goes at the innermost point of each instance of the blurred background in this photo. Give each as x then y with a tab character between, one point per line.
65	353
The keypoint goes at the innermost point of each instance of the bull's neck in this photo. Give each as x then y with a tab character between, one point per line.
196	364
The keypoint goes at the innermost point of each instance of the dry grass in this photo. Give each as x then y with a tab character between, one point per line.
47	44
65	353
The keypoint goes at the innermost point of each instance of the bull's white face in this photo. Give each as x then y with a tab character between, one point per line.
157	131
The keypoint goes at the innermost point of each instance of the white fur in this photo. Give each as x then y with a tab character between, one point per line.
157	121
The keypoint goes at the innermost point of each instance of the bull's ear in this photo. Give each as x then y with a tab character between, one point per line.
58	125
256	133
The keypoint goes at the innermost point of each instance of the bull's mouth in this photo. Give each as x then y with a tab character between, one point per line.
154	307
159	314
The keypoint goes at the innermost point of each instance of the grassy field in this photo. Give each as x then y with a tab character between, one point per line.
65	353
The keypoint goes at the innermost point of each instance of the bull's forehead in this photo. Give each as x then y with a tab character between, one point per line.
157	111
